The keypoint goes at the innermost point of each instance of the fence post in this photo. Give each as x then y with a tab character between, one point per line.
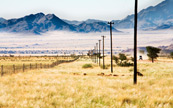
13	68
23	67
40	65
36	65
30	66
2	70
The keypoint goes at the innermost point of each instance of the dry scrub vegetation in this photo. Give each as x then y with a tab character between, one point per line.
60	87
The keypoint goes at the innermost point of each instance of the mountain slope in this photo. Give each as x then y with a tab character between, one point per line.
41	23
94	27
151	17
35	23
2	20
164	26
74	22
88	21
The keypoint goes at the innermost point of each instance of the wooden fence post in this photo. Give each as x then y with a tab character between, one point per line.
2	70
23	67
41	65
14	69
36	65
30	66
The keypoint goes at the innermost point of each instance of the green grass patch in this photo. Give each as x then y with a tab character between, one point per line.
87	66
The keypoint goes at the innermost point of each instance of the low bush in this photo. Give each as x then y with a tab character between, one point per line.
123	61
125	64
87	66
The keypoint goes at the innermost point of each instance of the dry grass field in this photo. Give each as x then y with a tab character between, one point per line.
30	59
10	65
66	86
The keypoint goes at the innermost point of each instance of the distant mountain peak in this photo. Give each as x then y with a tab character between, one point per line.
2	19
51	15
37	15
40	13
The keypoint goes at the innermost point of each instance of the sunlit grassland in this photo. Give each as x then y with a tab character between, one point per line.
33	59
59	87
10	65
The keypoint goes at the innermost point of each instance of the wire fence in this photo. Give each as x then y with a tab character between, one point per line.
12	69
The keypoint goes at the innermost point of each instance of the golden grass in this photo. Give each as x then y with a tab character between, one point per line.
59	87
15	64
33	59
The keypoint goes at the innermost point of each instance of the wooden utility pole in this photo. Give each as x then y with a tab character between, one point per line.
99	52
135	41
95	53
103	52
92	55
110	23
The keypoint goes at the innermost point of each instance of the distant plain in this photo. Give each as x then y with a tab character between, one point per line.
64	40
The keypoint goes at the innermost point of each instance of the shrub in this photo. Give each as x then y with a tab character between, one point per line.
131	69
125	64
123	60
73	55
132	59
171	54
122	57
116	59
87	66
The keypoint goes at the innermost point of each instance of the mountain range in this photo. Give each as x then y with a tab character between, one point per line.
41	23
153	18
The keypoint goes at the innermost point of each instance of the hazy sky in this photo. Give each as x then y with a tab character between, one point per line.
73	9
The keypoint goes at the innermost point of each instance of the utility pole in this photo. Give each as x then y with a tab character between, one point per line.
103	52
95	53
135	41
92	55
110	23
99	52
